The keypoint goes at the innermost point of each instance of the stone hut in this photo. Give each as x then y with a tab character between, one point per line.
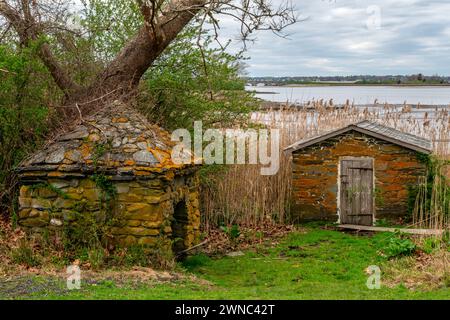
357	174
113	164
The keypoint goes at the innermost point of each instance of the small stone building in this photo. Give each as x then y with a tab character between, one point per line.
357	174
116	166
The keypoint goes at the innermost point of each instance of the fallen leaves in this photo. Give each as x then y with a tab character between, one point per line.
250	235
422	271
10	238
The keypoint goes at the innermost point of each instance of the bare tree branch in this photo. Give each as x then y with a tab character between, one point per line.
29	30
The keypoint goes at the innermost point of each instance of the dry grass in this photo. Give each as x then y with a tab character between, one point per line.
243	195
10	240
424	271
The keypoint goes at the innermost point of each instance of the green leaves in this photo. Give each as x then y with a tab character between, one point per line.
399	246
25	92
189	83
110	24
105	185
233	232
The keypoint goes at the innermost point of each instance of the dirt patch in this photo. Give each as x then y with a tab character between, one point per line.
221	241
19	286
140	275
53	282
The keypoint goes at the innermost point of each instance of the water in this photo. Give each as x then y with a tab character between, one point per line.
360	95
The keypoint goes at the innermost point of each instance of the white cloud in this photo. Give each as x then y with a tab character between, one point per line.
414	36
359	46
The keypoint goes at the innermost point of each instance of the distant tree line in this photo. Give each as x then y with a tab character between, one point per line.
357	79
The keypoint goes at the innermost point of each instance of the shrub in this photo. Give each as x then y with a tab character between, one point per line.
136	256
161	255
84	233
431	244
25	93
25	255
96	258
233	231
400	246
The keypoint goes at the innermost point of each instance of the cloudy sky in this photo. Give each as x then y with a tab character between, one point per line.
346	37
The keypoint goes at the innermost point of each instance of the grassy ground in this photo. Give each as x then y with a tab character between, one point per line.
319	264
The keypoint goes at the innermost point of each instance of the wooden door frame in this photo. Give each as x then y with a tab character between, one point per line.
339	185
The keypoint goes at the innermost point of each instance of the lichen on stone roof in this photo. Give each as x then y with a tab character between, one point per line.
117	138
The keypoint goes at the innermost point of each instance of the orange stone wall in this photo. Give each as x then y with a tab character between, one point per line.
315	176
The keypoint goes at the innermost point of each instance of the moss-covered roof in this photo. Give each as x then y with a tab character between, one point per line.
117	138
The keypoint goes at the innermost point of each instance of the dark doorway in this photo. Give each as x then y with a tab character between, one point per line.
179	227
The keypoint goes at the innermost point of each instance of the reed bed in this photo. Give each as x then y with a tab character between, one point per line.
240	194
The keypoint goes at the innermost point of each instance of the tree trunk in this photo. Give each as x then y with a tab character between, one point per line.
122	75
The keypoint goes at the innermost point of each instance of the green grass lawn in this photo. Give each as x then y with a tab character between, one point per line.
319	264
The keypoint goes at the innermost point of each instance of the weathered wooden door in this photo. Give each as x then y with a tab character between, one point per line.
356	191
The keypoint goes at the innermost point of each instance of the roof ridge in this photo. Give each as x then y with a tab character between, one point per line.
393	135
394	129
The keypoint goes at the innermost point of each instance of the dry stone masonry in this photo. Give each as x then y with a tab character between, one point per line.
113	164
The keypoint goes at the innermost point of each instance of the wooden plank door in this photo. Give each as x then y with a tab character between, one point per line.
356	191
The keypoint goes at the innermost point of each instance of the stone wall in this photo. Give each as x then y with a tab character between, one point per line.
315	176
142	207
113	167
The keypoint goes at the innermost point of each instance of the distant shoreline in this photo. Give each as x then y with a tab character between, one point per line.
349	85
432	95
267	105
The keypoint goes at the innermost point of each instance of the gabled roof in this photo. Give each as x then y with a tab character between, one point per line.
372	129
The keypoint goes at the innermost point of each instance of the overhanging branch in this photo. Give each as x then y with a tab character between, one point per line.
29	30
